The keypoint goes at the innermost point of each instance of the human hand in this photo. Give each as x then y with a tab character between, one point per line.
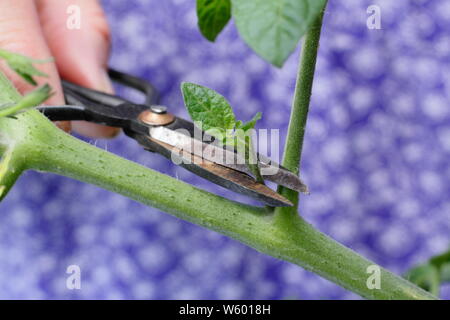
38	29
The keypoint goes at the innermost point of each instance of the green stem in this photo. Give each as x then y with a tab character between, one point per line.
32	99
300	107
252	161
49	149
10	169
11	164
8	94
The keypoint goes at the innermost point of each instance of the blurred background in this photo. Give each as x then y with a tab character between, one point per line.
376	159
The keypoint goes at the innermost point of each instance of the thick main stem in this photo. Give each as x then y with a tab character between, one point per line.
49	149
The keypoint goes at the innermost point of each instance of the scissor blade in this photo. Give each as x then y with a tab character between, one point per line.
274	172
270	170
223	176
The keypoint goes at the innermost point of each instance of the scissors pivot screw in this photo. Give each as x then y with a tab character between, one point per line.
158	109
156	119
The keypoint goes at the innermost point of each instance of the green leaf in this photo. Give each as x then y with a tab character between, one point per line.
432	274
32	99
441	259
272	28
217	119
23	66
213	16
425	276
250	124
208	107
445	273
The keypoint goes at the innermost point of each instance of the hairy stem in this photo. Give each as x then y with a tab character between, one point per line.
49	149
300	107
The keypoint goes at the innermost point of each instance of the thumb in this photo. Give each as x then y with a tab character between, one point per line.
20	32
78	36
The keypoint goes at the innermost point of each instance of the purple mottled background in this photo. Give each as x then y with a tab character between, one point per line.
376	158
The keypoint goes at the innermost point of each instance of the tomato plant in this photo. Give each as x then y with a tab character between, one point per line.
272	28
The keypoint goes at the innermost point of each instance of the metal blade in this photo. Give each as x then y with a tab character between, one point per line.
223	176
270	170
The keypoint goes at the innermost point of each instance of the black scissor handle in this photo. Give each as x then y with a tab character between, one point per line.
150	92
76	94
100	107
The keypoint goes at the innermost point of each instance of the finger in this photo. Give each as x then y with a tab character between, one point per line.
78	36
20	32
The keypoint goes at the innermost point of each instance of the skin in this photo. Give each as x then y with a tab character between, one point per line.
37	29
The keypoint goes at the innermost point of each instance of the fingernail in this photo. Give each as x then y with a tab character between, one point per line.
63	125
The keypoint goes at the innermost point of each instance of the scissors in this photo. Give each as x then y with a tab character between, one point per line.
157	130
